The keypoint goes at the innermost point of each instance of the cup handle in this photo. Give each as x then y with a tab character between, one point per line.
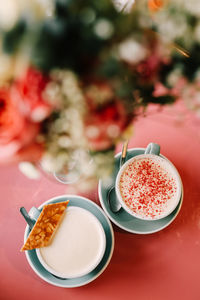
30	217
152	148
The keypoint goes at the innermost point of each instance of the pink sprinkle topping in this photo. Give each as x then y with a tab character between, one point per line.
148	187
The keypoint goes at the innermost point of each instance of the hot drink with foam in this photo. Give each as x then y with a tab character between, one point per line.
148	187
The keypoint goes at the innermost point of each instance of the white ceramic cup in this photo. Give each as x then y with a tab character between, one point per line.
77	247
171	169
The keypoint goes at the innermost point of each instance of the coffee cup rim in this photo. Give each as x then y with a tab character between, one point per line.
126	208
91	267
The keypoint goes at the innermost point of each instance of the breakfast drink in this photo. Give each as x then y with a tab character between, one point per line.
149	187
77	247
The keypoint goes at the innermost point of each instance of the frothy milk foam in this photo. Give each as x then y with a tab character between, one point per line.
77	246
149	186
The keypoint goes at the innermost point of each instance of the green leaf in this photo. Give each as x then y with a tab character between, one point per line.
13	38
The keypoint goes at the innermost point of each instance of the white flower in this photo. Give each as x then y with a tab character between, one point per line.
9	13
103	29
125	5
11	10
192	6
172	27
132	51
174	76
64	142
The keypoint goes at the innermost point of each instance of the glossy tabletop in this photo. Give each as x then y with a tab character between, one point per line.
161	266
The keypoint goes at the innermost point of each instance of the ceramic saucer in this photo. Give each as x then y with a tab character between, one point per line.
79	281
122	219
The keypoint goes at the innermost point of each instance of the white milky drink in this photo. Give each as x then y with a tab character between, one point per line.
77	247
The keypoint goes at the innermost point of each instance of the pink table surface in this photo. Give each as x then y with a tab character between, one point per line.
160	266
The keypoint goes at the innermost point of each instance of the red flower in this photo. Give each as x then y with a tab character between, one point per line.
105	123
148	70
17	133
28	92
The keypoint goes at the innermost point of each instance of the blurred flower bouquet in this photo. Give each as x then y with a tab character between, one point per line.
74	74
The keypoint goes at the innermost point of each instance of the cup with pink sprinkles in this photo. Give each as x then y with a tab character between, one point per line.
148	186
